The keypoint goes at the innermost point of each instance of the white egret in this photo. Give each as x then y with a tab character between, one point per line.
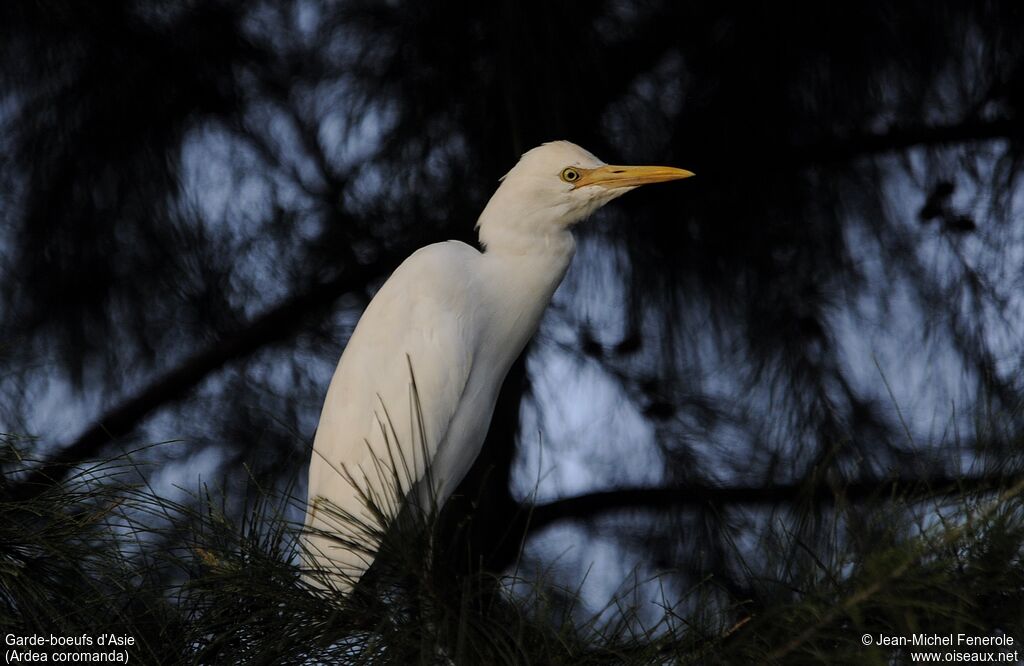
416	385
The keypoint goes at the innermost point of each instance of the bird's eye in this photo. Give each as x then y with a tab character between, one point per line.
570	175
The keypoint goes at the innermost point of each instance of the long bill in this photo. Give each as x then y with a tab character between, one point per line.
614	176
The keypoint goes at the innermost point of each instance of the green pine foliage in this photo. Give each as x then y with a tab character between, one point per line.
192	584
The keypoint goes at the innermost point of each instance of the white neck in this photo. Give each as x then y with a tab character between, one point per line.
523	270
517	223
527	241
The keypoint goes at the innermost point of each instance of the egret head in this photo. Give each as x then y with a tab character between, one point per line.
556	185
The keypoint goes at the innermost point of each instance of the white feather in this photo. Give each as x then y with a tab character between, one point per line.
450	320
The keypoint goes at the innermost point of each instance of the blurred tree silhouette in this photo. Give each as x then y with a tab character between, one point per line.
201	196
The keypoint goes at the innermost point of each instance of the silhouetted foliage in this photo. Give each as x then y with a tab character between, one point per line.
200	197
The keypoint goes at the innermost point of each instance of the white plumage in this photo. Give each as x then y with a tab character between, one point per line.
416	385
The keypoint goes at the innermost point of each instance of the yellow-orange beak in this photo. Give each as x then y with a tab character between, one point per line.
613	176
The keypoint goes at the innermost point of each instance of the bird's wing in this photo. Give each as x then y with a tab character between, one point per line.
395	390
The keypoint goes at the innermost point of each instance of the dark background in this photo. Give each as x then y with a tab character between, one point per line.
199	198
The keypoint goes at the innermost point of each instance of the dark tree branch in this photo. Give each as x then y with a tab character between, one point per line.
277	324
591	505
840	149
